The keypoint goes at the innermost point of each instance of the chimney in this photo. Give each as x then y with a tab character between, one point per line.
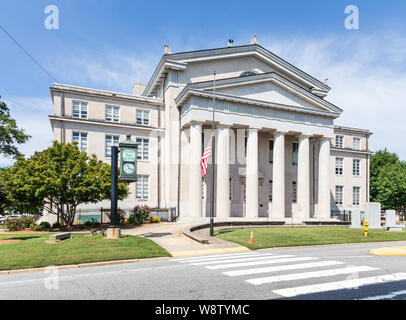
167	49
230	43
138	88
254	39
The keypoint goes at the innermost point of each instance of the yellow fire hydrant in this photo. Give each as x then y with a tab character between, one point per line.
366	224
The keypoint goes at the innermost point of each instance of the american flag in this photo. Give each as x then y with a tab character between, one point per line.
204	160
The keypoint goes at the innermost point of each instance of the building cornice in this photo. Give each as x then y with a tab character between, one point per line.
220	96
105	94
352	130
266	77
102	123
348	150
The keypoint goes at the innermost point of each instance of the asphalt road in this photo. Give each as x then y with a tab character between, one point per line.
331	272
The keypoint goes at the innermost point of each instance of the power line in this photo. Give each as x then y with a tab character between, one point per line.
28	54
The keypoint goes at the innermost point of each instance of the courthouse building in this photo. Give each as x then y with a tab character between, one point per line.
279	154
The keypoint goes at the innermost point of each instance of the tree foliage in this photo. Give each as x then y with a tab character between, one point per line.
388	181
10	134
60	178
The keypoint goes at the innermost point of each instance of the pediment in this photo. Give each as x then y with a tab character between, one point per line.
270	92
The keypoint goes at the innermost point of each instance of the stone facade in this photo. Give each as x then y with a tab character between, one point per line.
276	148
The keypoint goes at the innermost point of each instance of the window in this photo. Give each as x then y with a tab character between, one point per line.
355	195
245	143
142	187
270	151
339	166
356	143
294	191
81	139
295	153
112	114
143	117
110	142
143	148
79	109
339	141
230	195
270	190
355	167
339	194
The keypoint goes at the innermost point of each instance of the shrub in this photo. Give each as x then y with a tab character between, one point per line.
56	225
14	224
91	223
39	227
154	219
28	221
132	220
141	213
45	225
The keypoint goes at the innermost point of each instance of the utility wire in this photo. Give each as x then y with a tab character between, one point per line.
28	54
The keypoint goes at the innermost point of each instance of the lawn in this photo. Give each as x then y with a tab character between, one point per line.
32	251
285	237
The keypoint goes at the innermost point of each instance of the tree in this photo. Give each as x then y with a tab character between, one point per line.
391	189
377	164
5	202
60	178
10	134
388	180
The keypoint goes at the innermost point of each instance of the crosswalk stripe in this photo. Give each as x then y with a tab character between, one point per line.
308	275
339	285
386	296
257	263
219	257
281	268
261	257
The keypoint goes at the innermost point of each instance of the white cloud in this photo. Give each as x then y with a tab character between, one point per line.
109	71
367	77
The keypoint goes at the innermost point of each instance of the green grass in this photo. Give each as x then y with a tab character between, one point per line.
285	237
33	252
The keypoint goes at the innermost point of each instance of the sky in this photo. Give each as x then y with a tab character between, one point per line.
109	44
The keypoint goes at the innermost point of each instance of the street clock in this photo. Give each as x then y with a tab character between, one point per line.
128	160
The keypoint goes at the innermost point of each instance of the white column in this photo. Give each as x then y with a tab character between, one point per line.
303	179
251	184
195	178
323	206
223	172
278	176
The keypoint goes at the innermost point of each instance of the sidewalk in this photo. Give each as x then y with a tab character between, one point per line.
169	235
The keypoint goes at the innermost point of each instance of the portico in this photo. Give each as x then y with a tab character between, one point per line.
255	182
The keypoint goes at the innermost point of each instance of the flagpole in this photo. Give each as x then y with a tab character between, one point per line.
213	148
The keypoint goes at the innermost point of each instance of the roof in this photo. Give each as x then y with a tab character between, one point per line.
180	60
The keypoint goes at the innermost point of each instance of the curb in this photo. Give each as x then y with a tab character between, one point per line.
329	245
80	265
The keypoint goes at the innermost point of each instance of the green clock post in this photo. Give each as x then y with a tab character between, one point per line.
128	172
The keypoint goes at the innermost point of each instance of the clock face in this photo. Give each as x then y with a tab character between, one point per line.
129	168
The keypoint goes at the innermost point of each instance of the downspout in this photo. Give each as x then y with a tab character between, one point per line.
179	161
367	172
159	146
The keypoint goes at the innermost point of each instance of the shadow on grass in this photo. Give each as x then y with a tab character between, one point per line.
23	238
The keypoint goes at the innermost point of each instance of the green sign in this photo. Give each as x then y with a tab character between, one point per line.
129	154
128	160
